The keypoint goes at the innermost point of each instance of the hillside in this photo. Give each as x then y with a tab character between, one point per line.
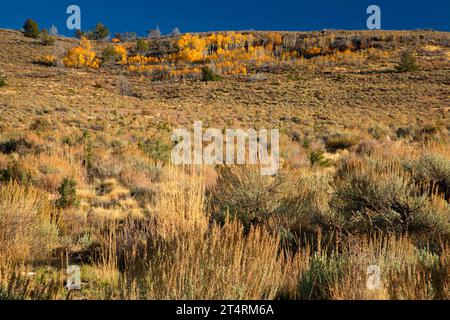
318	93
86	176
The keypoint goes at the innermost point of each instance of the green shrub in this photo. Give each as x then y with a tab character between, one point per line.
303	205
110	55
46	38
427	258
80	34
142	46
377	132
17	286
407	62
404	132
432	169
209	75
317	158
67	194
288	203
373	195
31	29
100	32
21	146
156	149
244	194
41	124
426	133
339	142
324	274
2	80
15	172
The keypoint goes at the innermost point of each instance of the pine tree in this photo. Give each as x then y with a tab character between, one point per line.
31	29
100	32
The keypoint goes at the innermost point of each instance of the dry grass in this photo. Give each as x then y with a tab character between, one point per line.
364	176
26	228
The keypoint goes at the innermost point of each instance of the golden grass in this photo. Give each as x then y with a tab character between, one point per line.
180	204
26	229
148	230
219	264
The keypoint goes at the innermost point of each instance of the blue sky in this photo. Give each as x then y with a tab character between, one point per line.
201	15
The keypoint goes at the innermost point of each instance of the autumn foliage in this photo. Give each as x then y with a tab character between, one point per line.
225	53
81	56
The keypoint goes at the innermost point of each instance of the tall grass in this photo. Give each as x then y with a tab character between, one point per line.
304	234
26	228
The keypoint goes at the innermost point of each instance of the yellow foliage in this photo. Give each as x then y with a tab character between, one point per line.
142	60
192	48
229	52
313	51
122	51
275	38
49	60
81	56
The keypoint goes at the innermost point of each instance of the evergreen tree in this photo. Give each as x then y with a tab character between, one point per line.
31	29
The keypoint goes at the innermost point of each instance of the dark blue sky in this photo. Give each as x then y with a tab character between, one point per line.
206	15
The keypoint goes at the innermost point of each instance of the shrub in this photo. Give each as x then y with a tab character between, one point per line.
49	61
324	274
46	38
100	32
21	146
31	29
14	285
339	142
312	52
407	62
67	194
404	132
317	158
156	149
126	89
303	205
243	193
142	46
81	56
80	34
41	124
16	172
427	132
371	194
289	202
2	80
376	132
432	169
209	75
366	147
110	55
